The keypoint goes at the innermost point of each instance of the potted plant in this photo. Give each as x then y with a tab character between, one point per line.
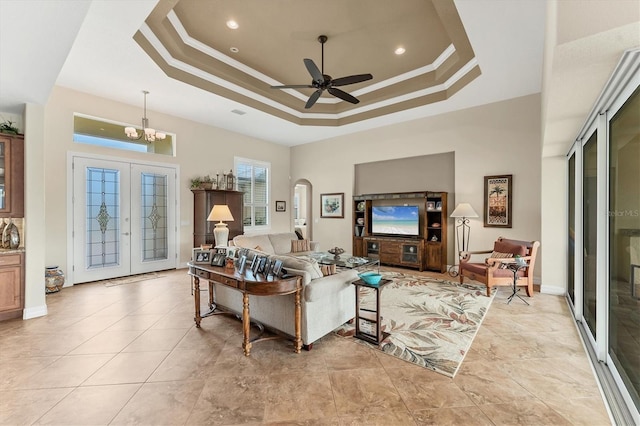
196	182
8	127
207	182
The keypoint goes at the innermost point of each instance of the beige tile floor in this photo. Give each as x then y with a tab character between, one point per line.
130	354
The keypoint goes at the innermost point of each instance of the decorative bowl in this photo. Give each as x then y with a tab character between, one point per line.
370	277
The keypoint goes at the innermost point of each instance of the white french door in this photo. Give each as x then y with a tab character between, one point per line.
124	218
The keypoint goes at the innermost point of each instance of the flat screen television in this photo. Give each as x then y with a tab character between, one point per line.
395	220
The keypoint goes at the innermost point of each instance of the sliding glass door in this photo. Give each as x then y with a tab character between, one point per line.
603	258
624	243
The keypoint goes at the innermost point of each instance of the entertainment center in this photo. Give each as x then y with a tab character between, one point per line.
407	229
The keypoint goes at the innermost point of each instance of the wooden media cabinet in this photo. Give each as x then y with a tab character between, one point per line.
428	250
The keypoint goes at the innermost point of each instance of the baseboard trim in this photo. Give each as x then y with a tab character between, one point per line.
550	289
35	312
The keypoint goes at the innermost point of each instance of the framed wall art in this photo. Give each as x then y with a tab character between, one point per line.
498	194
332	205
281	206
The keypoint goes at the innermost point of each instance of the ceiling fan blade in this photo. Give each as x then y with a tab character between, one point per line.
293	86
343	95
313	98
343	81
313	70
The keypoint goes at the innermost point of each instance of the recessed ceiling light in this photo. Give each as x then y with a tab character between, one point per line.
400	51
232	24
234	49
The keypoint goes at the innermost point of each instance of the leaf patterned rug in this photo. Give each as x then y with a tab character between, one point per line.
431	322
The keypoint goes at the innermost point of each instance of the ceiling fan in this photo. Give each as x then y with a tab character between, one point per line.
322	81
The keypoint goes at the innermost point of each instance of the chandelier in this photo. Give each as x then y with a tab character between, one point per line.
150	135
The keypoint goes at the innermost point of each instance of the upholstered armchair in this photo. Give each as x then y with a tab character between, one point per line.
492	269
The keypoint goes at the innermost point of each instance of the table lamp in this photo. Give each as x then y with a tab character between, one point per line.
221	232
462	212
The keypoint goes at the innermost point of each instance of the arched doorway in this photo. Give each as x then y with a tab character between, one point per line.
302	207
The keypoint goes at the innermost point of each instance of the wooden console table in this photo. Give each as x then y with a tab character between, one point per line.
247	284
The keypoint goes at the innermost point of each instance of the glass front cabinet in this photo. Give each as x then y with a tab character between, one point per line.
11	176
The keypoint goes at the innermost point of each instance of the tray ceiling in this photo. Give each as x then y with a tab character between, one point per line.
191	42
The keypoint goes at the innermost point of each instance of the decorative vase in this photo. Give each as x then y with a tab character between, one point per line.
53	279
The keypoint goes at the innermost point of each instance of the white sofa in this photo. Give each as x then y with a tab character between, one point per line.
327	302
279	243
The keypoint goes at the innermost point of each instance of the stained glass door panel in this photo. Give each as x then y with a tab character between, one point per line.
101	220
153	205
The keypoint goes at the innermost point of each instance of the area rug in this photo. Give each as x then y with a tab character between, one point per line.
431	322
131	279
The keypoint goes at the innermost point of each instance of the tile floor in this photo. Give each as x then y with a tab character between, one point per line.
130	354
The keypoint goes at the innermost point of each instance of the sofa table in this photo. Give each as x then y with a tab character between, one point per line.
247	284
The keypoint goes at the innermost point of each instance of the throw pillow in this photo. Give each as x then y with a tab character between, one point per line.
498	255
328	269
512	249
300	245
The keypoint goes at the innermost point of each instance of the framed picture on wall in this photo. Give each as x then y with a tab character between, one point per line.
498	193
281	206
332	205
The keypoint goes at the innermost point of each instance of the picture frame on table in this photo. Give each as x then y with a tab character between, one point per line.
267	266
281	206
200	256
332	205
498	195
255	264
242	264
277	268
242	252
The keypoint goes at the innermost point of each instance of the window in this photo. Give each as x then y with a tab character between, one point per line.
253	180
94	131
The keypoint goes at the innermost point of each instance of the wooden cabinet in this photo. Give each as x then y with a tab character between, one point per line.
11	285
426	250
203	202
434	257
436	238
11	175
392	251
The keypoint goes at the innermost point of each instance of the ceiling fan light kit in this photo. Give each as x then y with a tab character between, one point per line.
150	135
321	81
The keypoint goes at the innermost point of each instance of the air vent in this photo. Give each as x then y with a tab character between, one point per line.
237	111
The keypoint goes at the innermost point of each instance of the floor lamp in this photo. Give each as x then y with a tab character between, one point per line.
462	212
221	232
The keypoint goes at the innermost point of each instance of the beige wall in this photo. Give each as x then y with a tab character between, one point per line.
200	150
500	138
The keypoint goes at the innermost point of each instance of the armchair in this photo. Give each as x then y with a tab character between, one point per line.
492	272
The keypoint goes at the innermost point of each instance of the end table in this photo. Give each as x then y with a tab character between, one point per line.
368	327
515	267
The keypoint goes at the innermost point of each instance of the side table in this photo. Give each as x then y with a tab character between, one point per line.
515	267
368	327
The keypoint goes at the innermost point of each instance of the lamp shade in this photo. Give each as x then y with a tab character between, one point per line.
464	210
220	212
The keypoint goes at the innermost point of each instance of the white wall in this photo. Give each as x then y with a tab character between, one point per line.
500	138
554	224
34	197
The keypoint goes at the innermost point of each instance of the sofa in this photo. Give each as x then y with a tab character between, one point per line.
279	243
327	302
